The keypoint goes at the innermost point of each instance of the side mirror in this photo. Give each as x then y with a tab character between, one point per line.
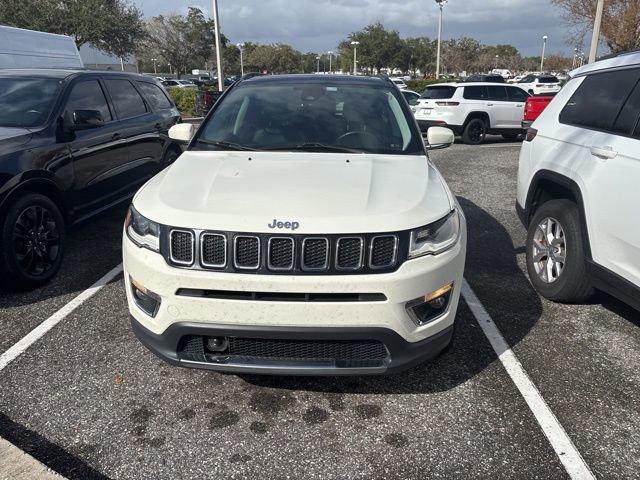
85	119
182	132
439	137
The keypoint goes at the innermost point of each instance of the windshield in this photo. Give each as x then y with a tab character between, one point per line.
312	116
438	93
26	102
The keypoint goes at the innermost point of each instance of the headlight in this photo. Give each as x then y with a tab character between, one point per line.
142	231
436	237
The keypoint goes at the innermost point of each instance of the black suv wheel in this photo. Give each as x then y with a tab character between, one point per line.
474	132
33	240
555	253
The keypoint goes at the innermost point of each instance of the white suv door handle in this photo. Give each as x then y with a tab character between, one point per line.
603	152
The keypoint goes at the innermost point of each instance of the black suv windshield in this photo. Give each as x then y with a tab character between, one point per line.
321	116
26	102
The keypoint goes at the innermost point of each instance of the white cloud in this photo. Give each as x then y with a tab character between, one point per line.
318	25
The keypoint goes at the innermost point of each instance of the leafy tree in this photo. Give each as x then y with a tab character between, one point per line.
275	58
620	22
378	47
422	54
113	26
183	41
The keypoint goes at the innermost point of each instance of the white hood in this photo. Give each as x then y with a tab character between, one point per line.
322	192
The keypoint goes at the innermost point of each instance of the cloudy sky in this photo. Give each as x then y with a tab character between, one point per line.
319	25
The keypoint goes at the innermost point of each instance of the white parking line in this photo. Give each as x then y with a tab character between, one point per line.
34	335
502	145
568	454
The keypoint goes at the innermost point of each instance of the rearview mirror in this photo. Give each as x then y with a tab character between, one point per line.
439	137
182	132
84	119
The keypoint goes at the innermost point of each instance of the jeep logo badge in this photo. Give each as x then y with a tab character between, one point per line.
288	225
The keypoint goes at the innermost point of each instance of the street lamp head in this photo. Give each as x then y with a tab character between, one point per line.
240	45
442	3
355	43
545	37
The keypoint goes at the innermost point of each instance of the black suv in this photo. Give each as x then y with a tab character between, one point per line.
486	78
72	143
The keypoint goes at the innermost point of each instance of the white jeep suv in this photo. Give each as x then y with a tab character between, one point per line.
303	231
473	109
540	84
578	186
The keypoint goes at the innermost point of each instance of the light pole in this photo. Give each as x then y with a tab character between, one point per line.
575	58
441	3
241	47
544	46
355	57
497	57
330	53
318	59
155	70
595	37
216	21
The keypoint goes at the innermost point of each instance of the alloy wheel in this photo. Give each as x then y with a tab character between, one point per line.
36	240
549	250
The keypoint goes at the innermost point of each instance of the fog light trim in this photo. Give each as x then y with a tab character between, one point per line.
145	299
431	306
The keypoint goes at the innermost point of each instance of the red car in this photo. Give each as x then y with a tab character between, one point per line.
534	107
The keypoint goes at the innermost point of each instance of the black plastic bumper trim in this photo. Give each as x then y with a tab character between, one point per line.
281	296
403	354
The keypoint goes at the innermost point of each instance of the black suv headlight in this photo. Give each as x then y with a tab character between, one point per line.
142	231
436	237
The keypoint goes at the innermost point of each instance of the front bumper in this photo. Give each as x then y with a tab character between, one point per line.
402	354
384	320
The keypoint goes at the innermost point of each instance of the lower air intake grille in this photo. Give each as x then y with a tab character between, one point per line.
182	246
317	350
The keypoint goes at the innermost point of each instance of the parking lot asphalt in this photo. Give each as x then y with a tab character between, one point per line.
90	402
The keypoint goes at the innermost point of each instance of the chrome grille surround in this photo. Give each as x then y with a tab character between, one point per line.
270	251
310	268
173	257
252	266
203	256
372	253
358	265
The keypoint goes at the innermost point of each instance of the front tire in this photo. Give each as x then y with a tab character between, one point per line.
474	132
556	253
32	242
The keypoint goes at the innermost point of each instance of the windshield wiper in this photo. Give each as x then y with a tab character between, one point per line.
313	146
225	145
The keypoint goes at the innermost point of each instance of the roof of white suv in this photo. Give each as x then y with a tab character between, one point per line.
622	60
470	84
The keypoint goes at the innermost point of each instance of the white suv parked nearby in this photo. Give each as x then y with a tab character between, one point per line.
473	110
540	84
578	186
303	231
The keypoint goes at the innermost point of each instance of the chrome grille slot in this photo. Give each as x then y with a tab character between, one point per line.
383	251
246	252
280	254
349	253
213	250
315	254
181	247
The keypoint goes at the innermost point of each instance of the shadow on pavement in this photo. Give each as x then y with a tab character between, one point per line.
54	457
507	295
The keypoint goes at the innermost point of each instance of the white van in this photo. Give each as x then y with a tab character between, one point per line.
20	48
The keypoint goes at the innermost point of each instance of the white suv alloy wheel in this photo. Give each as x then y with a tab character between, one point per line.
549	250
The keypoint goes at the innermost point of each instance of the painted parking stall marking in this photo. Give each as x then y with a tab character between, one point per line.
568	454
34	335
